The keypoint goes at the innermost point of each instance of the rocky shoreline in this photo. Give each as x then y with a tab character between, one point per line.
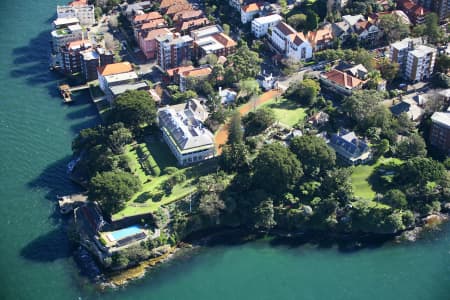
346	242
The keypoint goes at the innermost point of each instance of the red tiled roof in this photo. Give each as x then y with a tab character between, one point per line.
323	35
197	22
174	9
225	40
154	15
78	3
343	79
153	34
251	7
178	70
78	43
199	72
154	24
167	3
117	68
188	14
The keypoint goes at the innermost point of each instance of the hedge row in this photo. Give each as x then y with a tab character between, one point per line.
148	164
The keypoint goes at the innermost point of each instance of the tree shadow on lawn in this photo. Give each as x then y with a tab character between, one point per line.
284	104
383	178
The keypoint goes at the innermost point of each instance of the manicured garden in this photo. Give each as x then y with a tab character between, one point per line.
286	111
162	181
362	186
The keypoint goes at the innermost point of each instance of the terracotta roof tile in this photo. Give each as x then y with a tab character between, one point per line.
154	15
153	34
199	72
117	68
251	7
186	25
173	71
342	79
225	40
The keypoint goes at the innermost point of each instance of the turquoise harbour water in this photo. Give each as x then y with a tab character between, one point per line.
35	262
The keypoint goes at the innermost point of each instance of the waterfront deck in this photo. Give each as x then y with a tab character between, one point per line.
69	202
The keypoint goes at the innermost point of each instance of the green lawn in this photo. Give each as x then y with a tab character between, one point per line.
142	202
360	178
286	111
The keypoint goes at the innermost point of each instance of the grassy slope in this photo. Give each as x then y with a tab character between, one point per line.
286	111
141	202
361	174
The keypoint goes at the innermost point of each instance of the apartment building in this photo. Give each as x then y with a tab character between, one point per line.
173	49
77	9
440	131
261	25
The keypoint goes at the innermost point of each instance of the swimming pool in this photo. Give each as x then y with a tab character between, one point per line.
125	232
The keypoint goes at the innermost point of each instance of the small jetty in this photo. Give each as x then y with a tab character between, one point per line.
69	202
66	91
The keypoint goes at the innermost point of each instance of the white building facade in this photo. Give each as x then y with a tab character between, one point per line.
290	43
85	13
261	26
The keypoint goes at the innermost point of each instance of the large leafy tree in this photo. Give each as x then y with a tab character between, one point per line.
304	92
258	121
112	189
276	169
389	70
420	170
412	146
393	27
432	30
134	109
236	133
245	63
314	154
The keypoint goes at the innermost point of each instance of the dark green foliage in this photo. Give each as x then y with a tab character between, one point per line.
236	133
442	63
245	63
264	215
170	170
395	198
234	157
440	80
258	121
412	146
314	154
112	189
419	171
134	109
368	218
276	169
393	28
304	92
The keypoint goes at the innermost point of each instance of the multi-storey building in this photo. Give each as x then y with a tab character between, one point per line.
261	25
440	131
71	57
173	49
183	131
398	51
420	63
415	12
440	7
147	41
91	59
212	40
78	9
194	74
416	61
289	42
62	36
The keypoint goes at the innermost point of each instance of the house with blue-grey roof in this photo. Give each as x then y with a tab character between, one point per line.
183	131
350	148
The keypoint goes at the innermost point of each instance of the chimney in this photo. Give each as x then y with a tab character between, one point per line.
220	90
